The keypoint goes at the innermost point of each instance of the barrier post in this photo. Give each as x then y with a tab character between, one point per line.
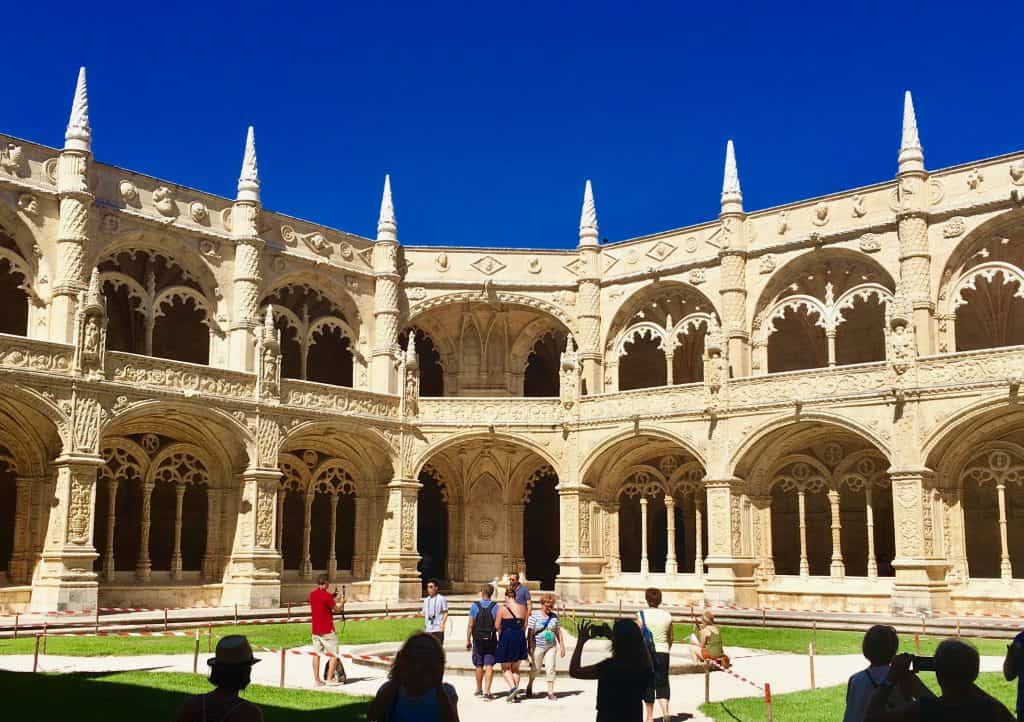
620	606
16	616
195	656
814	632
707	683
282	668
44	636
810	657
209	637
764	621
236	614
386	612
958	627
917	643
768	701
97	619
165	619
35	656
289	610
924	621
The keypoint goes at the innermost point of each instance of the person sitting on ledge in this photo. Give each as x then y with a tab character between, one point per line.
956	669
416	690
706	642
230	673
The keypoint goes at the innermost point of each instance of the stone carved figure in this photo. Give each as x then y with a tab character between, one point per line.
163	201
12	158
569	375
859	211
268	355
409	367
91	330
717	368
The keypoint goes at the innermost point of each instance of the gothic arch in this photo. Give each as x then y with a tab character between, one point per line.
650	293
322	283
455	439
499	297
687	445
171	248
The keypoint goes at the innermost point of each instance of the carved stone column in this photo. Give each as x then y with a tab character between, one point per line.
580	569
212	551
20	567
332	555
246	281
920	585
252	578
671	567
306	566
837	568
385	298
830	335
645	563
730	576
588	297
763	506
805	567
698	526
1005	570
108	555
359	548
65	580
396	576
869	507
143	568
516	519
669	355
614	557
176	563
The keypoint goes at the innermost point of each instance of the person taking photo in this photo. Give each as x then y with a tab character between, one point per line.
323	605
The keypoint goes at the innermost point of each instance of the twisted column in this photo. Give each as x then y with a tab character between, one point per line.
143	567
108	553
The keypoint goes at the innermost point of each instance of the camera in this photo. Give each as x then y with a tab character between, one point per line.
922	664
603	630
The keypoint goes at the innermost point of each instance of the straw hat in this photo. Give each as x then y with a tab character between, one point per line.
233	650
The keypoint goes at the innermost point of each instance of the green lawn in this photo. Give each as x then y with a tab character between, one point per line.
826	704
826	642
275	636
132	696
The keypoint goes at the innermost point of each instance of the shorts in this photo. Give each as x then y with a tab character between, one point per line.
439	636
485	659
659	688
325	643
546	657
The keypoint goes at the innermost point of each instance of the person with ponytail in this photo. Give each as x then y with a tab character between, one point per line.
416	690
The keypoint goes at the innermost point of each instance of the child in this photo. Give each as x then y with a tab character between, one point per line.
879	646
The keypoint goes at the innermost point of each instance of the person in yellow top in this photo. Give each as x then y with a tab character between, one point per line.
656	624
706	642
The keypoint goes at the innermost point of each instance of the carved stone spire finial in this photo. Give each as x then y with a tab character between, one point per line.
911	154
588	217
412	360
570	344
78	135
732	196
387	226
249	181
93	296
268	322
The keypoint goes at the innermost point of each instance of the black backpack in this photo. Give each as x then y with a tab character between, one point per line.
484	636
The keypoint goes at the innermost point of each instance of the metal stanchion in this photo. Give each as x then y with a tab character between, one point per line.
165	619
768	701
44	636
209	637
16	617
236	614
707	683
810	657
283	657
35	656
195	656
97	619
764	621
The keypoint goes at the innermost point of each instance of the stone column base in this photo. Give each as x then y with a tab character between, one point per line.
66	592
920	587
395	583
730	581
581	579
252	593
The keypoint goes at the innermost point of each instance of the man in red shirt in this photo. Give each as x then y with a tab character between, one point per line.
322	606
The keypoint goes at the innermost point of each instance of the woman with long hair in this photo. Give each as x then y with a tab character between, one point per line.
512	650
621	678
416	690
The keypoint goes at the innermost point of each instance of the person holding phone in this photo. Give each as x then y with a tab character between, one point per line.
323	605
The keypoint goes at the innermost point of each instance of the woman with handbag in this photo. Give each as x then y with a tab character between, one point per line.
544	635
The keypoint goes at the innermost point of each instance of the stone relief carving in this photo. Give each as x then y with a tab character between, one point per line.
1017	172
870	243
766	264
441	262
661	251
129	193
198	212
266	501
408	523
975	179
781	223
487	265
857	209
821	214
210	249
416	293
533	265
79	508
954	227
110	223
50	170
29	205
163	201
314	240
12	159
697	276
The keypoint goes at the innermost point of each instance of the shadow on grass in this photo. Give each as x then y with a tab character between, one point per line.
96	696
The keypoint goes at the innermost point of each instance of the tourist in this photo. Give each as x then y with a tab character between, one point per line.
1012	669
621	678
879	647
435	612
656	625
323	605
522	593
511	649
482	639
956	669
416	690
544	635
230	673
706	642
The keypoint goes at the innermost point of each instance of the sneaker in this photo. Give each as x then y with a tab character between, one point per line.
488	697
512	695
478	693
552	697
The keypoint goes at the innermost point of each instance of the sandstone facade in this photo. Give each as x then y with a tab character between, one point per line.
815	405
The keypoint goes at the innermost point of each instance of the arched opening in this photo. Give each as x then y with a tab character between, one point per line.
293	523
993	501
643	362
688	356
194	527
541	377
860	338
431	371
13	300
344	543
541	526
991	312
330	358
316	336
180	332
161	529
798	342
155	307
432	527
320	530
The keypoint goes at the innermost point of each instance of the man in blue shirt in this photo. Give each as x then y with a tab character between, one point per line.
482	638
522	593
1012	669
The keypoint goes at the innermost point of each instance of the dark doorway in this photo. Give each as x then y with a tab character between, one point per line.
431	528
541	531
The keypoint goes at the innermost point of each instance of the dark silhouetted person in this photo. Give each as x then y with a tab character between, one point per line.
622	678
230	673
416	690
956	669
1013	669
880	645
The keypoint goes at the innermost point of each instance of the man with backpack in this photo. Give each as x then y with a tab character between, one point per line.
656	626
482	639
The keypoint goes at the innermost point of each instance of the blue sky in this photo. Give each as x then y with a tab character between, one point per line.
490	116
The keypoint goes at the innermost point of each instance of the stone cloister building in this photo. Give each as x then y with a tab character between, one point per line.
814	405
